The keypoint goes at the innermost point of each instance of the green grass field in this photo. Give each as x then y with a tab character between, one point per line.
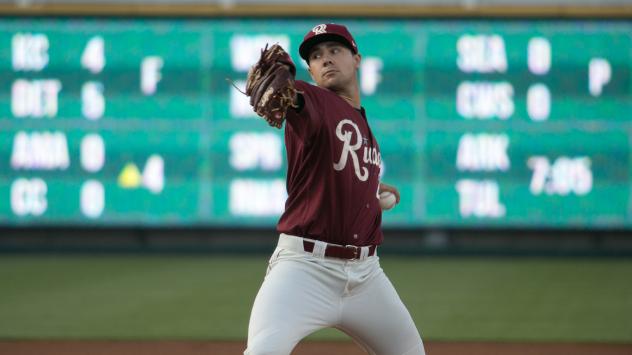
209	297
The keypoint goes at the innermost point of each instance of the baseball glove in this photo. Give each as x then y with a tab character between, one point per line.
271	86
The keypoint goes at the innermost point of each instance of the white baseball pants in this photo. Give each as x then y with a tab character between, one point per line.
304	292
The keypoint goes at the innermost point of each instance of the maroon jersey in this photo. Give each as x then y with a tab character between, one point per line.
333	172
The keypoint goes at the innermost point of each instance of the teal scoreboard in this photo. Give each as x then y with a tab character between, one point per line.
131	121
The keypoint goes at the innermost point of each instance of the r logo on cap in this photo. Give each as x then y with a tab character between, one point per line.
326	32
320	29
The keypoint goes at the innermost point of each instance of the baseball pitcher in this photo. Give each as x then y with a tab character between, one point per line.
325	271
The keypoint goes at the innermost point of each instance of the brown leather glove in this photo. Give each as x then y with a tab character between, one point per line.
270	85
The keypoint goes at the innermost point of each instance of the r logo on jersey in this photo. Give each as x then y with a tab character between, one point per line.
320	29
349	149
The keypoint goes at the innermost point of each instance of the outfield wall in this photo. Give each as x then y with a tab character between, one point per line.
506	128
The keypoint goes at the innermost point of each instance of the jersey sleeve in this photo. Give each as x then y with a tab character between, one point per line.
303	120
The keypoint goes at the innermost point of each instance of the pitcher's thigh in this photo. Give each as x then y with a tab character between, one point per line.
290	305
378	319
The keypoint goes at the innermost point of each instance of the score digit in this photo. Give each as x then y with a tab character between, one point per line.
539	60
93	57
92	100
92	198
538	102
154	174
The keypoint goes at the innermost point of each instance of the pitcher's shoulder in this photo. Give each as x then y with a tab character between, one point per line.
314	91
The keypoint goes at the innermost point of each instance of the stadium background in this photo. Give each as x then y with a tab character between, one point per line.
138	194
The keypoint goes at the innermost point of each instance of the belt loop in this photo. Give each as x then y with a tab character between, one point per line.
291	242
364	253
319	249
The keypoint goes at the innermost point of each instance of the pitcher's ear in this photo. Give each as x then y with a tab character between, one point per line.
358	59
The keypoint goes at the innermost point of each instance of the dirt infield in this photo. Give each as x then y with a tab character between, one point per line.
305	348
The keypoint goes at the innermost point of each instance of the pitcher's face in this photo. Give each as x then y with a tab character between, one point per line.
333	66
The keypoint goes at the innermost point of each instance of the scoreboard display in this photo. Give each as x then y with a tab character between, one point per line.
132	121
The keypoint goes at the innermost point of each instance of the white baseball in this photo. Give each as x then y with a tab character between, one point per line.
387	200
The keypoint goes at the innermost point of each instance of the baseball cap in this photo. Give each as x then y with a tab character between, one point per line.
326	32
